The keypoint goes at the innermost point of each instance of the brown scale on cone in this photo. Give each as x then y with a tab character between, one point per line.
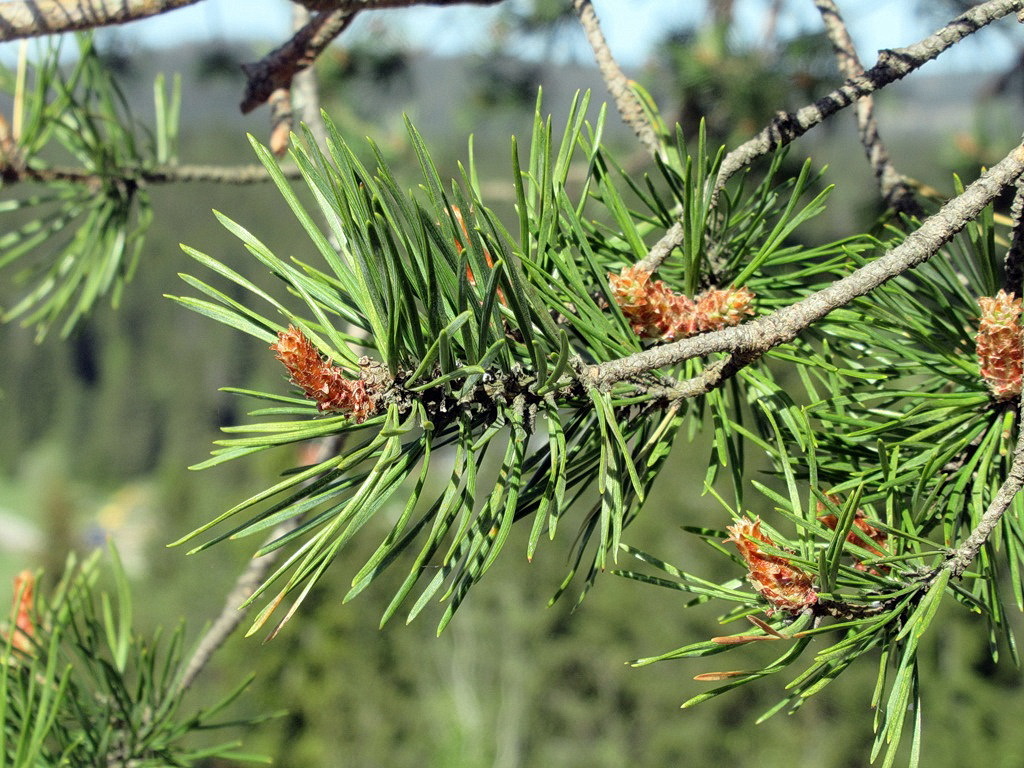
319	379
655	311
1000	343
777	580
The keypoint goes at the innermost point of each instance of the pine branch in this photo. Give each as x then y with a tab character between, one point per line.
33	18
628	104
276	70
245	586
282	117
961	559
353	6
169	174
757	337
672	238
892	65
306	88
894	188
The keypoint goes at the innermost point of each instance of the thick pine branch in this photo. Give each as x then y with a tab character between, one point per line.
755	338
33	18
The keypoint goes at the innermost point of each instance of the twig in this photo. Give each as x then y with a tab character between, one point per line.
230	615
628	104
760	335
673	237
32	18
276	70
712	377
256	571
892	65
281	120
169	174
282	117
960	560
1013	263
896	193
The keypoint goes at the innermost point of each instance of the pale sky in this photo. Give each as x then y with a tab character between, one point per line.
630	26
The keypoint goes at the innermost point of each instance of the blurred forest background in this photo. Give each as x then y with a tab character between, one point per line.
96	431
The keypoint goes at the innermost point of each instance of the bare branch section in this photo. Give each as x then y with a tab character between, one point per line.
32	18
960	560
895	191
628	104
171	174
275	70
673	236
757	337
892	65
306	90
303	83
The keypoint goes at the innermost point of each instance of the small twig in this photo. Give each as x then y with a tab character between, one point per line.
892	65
276	70
256	571
713	377
230	615
783	325
1013	263
626	101
281	120
282	116
32	18
169	174
960	560
673	237
896	193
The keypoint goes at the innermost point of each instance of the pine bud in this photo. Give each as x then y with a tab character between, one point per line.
655	311
778	581
719	308
1001	344
318	379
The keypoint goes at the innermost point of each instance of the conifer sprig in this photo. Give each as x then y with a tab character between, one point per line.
81	687
480	337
